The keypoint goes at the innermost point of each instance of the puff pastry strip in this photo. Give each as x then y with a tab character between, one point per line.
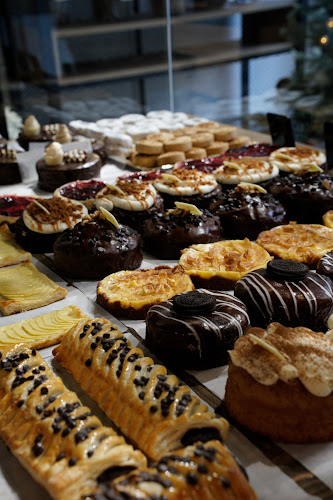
154	410
57	439
203	471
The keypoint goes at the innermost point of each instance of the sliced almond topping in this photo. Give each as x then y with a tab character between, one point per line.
111	218
267	346
41	206
188	207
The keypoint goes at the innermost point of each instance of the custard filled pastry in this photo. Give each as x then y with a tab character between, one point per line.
154	410
204	471
57	439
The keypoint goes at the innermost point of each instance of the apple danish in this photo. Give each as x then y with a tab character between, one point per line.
154	410
57	439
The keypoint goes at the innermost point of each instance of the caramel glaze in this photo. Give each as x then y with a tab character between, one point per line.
136	219
51	177
199	200
247	214
306	197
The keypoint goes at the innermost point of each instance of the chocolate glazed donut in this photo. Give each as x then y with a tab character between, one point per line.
288	293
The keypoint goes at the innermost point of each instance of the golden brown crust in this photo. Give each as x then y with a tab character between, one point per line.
10	252
145	161
149	147
224	133
217	148
203	139
240	141
196	153
23	288
206	471
222	262
62	445
153	409
182	143
170	157
328	219
130	294
305	243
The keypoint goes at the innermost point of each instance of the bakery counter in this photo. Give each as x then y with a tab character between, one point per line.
276	471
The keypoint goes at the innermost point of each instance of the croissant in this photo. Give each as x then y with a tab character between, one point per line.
57	439
152	409
202	471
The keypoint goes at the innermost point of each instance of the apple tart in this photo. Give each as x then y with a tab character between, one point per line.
154	410
130	294
305	243
217	266
23	287
57	439
10	252
204	471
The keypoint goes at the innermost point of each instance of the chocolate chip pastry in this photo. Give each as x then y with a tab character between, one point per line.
57	439
154	410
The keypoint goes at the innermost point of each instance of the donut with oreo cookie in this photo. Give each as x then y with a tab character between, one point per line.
288	293
195	330
325	265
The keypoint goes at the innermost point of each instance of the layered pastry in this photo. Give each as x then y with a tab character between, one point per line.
189	186
83	191
305	243
44	219
42	331
217	266
57	439
165	235
9	169
152	409
288	293
247	210
97	247
307	195
23	288
130	294
280	384
325	265
131	201
204	471
12	206
195	330
290	159
58	168
10	252
34	132
245	169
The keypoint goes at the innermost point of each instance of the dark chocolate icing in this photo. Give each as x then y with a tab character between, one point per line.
325	265
9	169
165	235
93	249
199	200
307	302
197	341
137	218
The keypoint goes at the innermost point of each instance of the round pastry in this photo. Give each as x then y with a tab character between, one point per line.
202	139
196	153
33	132
224	133
170	157
44	219
12	206
165	235
325	265
131	201
58	168
288	293
290	159
9	169
182	143
240	142
217	266
280	384
149	147
130	294
305	243
195	330
95	248
245	169
83	191
306	195
144	161
247	210
189	186
217	148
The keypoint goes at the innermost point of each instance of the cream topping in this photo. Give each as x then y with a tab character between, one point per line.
54	154
303	354
295	159
63	214
31	126
245	169
133	195
186	183
63	136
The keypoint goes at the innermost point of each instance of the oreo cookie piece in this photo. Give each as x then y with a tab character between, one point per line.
288	270
191	303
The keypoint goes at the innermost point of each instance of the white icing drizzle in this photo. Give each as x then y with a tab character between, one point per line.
327	259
